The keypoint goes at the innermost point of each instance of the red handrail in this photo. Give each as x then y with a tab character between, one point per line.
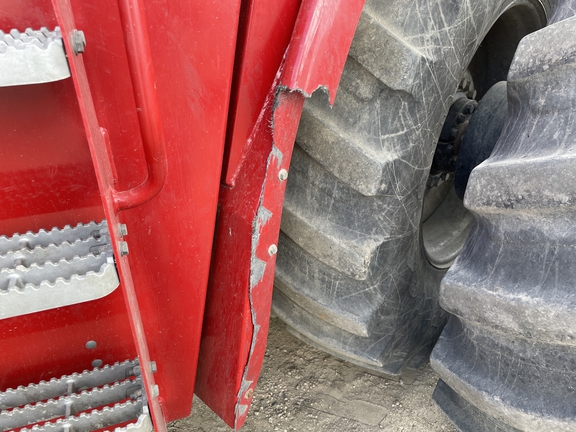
133	19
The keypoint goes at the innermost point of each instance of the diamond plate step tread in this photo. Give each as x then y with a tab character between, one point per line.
68	384
52	253
68	405
56	236
56	268
32	57
94	420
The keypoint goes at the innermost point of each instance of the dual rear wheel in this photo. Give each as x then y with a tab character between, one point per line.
372	218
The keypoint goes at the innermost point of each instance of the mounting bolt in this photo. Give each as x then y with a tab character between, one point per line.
155	390
153	367
78	41
282	174
123	229
123	246
272	250
470	108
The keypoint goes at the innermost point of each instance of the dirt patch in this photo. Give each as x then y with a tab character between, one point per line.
304	389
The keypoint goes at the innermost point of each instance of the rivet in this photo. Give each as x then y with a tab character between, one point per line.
249	393
282	174
272	250
97	363
91	344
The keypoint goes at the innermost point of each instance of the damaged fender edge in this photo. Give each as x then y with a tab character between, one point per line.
240	291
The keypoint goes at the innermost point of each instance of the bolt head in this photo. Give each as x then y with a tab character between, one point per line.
78	41
123	246
282	174
469	109
272	250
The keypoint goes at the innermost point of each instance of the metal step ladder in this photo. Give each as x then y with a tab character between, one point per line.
87	401
32	57
56	268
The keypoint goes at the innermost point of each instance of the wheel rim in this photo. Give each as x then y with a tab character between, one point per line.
445	221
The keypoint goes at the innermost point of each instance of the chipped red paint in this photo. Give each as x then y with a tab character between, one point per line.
320	45
238	306
240	290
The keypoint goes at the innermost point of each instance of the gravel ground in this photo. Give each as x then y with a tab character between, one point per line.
304	389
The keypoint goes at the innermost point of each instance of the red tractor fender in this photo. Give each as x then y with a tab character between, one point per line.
242	270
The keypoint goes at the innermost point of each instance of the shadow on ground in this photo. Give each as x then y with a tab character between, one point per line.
304	389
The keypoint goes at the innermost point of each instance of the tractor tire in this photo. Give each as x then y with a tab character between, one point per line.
353	275
507	358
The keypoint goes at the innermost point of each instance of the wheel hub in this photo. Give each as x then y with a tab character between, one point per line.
455	126
482	133
468	136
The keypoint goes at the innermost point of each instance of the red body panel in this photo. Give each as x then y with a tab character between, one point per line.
240	290
105	177
170	237
264	34
68	147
